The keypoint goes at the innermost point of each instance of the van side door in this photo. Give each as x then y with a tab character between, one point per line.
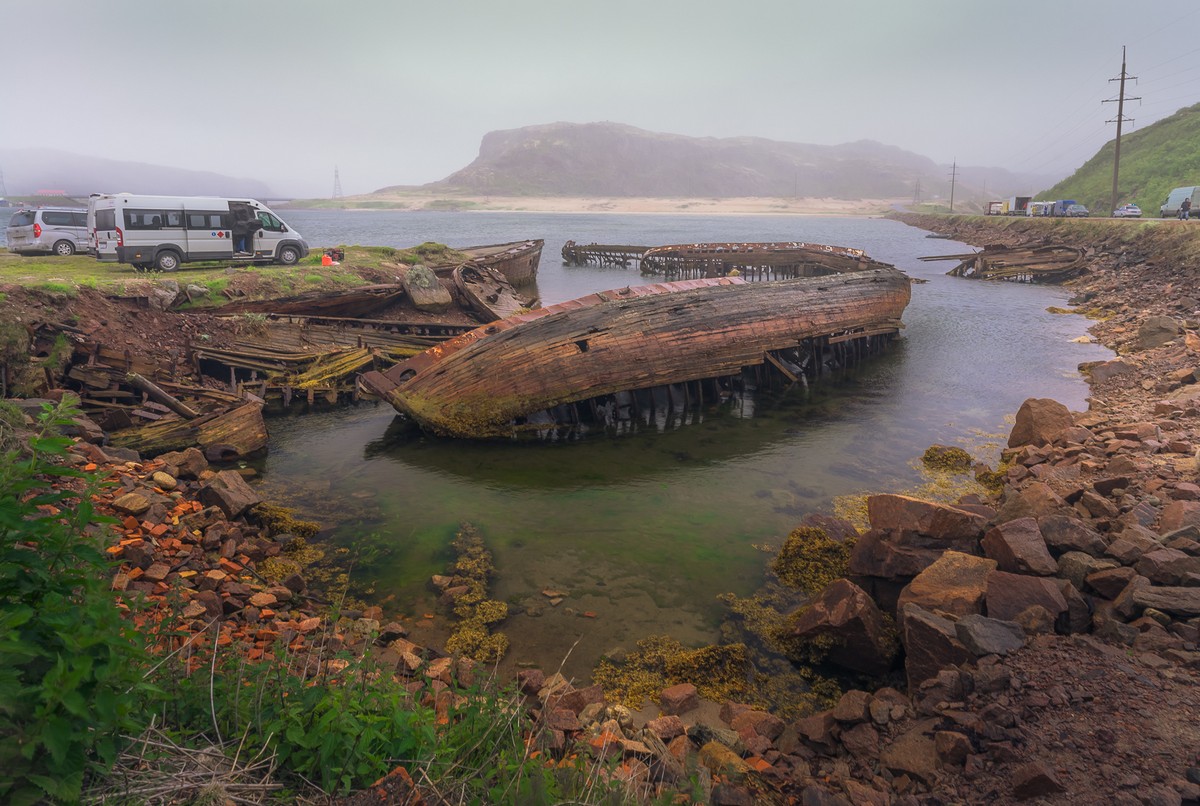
209	234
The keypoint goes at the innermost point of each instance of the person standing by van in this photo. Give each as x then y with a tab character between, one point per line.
1185	208
245	224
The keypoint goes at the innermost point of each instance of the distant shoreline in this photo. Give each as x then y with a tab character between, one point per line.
623	206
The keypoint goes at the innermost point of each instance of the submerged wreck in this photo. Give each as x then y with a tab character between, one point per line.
1049	263
601	357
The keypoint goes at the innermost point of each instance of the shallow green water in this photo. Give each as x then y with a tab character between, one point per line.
644	531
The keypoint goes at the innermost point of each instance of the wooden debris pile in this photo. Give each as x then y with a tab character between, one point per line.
1048	263
315	358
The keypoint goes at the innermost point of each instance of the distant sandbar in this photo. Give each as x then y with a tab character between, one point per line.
566	204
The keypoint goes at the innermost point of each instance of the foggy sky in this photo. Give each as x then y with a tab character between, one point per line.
400	92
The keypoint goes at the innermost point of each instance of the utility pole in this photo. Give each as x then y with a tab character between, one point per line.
953	177
337	184
1120	99
3	189
917	192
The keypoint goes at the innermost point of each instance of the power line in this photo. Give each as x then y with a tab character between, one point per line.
953	177
1119	120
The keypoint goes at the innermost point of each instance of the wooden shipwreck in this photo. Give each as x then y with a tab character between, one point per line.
1049	263
489	295
594	358
517	261
754	261
602	254
763	260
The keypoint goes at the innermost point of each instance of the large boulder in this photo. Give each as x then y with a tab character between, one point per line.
1180	602
1155	331
989	636
909	535
1178	514
229	492
955	583
1064	533
1018	547
1039	422
930	645
425	290
1165	566
939	521
1036	500
844	612
1009	594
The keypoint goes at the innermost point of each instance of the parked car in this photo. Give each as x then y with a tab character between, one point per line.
47	230
1128	211
1077	211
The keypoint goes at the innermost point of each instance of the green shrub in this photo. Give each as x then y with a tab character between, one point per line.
70	669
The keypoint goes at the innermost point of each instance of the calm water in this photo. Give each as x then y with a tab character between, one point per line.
643	532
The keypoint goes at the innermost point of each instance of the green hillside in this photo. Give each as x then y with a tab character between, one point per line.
1155	159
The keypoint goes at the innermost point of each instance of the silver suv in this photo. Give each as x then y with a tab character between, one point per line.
47	230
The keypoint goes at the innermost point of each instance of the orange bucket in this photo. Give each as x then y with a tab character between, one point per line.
326	260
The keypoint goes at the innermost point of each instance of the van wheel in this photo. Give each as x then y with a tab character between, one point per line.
289	255
166	261
64	248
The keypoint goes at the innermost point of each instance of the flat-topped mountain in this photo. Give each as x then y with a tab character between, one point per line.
612	159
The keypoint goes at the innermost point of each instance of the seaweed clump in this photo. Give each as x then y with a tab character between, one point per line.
279	520
946	459
809	560
719	673
472	636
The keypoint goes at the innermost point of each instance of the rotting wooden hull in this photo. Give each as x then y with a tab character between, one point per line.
777	260
517	261
225	434
352	302
488	293
481	383
1049	263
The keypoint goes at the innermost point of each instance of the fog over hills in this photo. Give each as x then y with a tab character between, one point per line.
28	170
613	159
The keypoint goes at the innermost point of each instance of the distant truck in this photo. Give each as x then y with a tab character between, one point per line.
1040	208
1170	208
1015	205
165	231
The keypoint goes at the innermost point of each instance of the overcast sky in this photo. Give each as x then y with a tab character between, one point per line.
400	92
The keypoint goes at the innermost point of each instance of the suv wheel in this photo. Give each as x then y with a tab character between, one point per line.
64	248
289	255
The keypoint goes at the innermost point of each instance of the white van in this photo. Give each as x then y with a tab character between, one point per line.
1170	208
164	231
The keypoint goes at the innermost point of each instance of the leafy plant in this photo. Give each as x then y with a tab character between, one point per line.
70	682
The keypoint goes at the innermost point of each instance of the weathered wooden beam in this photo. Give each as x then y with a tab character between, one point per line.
161	395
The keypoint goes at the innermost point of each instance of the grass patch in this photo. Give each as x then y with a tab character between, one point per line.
55	287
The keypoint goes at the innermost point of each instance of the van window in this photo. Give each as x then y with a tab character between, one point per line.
21	218
199	220
78	219
56	218
153	219
106	219
270	222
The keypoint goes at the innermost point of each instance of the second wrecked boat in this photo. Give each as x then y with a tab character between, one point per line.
555	365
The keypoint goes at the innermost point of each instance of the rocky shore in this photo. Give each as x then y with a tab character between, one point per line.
1049	636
